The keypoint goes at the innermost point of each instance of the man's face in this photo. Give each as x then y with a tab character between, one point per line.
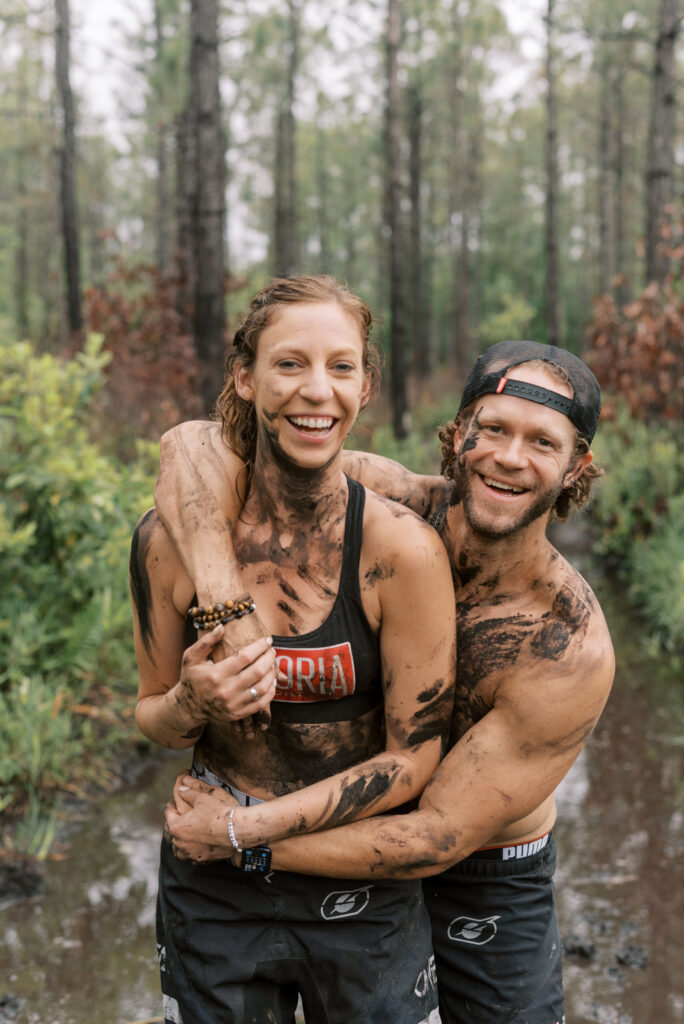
514	457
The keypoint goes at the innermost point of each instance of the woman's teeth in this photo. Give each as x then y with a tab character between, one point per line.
311	423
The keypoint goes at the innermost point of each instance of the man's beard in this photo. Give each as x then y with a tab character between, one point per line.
484	526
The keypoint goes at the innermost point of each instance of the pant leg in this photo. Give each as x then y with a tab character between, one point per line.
369	950
496	940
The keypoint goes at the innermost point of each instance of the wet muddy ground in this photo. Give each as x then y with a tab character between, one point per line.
84	949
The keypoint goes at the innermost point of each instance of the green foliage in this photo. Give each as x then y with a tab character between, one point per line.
67	511
658	578
639	507
512	320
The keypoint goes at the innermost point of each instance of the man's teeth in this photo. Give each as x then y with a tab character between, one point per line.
502	487
312	424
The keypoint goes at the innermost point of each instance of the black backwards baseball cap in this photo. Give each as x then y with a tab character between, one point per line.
488	377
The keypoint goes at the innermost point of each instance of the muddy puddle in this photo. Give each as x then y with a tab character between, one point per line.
84	951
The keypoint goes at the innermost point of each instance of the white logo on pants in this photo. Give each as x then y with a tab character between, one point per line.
345	904
476	931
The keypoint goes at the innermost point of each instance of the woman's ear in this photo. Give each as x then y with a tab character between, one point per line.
243	384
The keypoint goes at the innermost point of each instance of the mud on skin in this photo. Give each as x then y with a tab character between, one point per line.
290	756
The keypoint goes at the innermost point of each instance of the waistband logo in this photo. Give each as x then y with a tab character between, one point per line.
315	673
345	904
473	930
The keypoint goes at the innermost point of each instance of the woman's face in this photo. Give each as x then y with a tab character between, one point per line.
307	382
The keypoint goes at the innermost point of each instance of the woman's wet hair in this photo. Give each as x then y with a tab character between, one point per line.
237	416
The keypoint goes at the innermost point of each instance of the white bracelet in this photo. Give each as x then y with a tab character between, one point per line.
231	831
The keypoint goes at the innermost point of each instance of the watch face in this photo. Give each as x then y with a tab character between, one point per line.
256	858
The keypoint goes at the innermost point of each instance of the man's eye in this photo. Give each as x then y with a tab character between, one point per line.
544	442
344	367
286	364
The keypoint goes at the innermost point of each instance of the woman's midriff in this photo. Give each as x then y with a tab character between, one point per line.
289	756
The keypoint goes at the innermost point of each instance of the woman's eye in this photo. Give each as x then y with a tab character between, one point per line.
344	367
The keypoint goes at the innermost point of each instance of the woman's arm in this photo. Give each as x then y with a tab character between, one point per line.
417	637
180	690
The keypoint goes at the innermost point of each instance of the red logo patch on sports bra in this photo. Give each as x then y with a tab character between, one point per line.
315	673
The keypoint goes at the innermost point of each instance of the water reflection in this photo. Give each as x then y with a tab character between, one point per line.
86	949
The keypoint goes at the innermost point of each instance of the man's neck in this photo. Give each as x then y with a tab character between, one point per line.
513	561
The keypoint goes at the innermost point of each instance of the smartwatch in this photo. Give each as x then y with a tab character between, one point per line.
256	859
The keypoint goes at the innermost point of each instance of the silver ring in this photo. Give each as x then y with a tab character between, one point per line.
254	693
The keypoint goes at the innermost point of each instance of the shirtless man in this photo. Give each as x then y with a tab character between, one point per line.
535	668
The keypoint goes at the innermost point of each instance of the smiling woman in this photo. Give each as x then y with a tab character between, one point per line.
357	594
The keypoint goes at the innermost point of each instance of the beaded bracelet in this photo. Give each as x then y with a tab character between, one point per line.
215	614
231	831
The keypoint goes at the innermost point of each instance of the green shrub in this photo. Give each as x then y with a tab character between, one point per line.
67	511
644	472
657	573
640	510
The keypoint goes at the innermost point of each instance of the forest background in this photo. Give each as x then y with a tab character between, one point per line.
476	170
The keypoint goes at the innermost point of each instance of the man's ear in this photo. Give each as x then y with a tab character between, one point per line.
577	468
243	384
459	436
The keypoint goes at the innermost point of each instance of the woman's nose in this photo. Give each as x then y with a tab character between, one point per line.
316	387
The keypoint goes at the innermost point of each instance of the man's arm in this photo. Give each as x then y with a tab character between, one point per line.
417	639
201	489
199	494
180	690
499	772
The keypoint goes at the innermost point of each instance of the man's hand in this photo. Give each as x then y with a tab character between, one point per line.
197	820
232	689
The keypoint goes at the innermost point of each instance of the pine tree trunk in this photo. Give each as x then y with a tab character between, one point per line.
661	136
286	249
393	189
67	169
322	189
185	191
208	208
608	179
420	341
552	319
163	241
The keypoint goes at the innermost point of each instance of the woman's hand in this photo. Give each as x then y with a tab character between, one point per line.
232	689
197	820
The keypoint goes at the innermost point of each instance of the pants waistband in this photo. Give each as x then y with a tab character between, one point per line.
244	799
516	851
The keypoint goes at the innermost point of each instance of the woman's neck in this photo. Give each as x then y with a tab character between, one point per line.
288	495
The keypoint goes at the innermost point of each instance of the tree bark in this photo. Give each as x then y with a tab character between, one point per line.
393	188
607	176
163	241
322	189
208	207
552	317
660	158
185	191
286	249
420	340
67	168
